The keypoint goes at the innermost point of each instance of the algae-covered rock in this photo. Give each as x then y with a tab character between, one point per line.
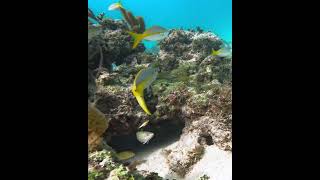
111	24
92	88
110	45
103	165
204	177
184	154
120	173
100	164
177	42
95	175
205	42
97	125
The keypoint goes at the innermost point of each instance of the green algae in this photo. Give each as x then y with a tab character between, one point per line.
102	165
99	156
120	173
95	175
204	177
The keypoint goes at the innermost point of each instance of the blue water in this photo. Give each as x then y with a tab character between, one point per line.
210	15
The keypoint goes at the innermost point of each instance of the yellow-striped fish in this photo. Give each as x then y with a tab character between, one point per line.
143	124
124	155
155	33
143	80
115	6
223	52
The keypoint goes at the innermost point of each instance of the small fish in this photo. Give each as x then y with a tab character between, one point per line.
114	66
143	124
155	33
115	6
143	80
124	155
223	52
144	136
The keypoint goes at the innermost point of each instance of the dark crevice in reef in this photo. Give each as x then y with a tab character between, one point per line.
205	139
164	133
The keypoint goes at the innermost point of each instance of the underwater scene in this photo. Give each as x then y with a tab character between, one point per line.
159	89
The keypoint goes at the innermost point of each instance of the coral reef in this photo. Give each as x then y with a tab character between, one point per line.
182	159
193	88
110	45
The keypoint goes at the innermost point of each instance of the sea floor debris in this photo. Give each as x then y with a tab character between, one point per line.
192	94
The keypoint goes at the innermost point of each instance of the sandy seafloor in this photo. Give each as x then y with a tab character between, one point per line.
216	163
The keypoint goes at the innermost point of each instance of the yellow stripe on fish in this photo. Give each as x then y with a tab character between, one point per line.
155	33
143	124
143	79
215	53
223	52
115	6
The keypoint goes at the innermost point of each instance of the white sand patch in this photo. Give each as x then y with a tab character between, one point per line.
216	163
156	162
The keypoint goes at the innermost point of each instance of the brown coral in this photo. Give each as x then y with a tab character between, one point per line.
136	23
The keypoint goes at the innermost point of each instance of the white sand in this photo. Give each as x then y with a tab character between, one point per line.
216	163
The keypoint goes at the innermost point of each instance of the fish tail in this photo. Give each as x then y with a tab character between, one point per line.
214	52
143	104
137	38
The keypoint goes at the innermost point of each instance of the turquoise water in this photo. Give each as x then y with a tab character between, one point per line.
213	15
